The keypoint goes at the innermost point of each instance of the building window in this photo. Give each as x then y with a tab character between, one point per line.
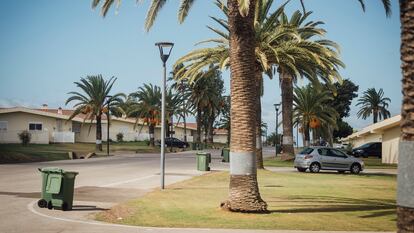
3	125
35	126
76	127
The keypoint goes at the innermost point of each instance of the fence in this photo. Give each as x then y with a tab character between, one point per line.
63	137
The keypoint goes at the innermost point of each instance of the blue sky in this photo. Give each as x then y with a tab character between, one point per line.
47	45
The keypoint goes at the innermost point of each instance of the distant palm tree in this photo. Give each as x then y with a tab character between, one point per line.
310	104
93	101
373	102
147	106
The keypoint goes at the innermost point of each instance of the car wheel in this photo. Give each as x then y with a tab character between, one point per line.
301	169
355	168
315	168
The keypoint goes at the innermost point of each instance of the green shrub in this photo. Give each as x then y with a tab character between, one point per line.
25	137
120	137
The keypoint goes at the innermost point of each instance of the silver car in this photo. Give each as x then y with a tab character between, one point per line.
325	158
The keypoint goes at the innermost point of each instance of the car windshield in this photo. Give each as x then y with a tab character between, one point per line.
366	145
306	151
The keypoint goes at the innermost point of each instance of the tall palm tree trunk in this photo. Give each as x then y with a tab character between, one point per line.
307	135
286	84
210	136
185	128
259	150
405	193
151	130
99	132
375	114
244	193
198	137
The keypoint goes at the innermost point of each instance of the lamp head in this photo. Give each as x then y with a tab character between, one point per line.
165	50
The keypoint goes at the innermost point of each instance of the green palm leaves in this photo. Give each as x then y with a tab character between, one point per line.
94	98
373	102
280	41
310	103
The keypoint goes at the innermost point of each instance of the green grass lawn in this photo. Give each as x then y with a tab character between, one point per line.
297	201
369	163
15	153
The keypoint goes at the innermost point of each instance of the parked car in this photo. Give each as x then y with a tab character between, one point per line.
369	149
325	158
173	142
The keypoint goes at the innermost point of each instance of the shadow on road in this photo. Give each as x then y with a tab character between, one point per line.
23	195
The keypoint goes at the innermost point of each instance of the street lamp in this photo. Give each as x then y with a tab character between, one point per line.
107	123
277	122
165	51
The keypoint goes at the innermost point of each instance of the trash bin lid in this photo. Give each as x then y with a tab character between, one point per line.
51	170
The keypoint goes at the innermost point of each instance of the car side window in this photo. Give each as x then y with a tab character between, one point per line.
337	153
323	151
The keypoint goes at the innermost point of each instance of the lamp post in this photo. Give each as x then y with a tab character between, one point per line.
107	123
277	122
165	51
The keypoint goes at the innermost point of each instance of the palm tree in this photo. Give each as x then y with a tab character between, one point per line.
310	106
373	102
285	43
93	101
405	202
206	98
183	90
147	105
244	192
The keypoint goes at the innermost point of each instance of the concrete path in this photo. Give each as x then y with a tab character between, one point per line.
101	183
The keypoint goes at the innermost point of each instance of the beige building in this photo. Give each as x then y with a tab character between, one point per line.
386	131
53	126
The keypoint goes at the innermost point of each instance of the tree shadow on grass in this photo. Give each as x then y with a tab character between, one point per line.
329	204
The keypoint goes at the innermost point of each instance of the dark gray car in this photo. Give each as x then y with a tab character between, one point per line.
325	158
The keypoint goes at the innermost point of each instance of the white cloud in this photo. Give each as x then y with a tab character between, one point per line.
9	103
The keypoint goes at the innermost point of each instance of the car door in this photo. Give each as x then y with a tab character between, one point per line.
341	159
377	149
327	161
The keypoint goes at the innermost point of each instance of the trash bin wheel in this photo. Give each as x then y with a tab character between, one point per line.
50	205
64	206
42	203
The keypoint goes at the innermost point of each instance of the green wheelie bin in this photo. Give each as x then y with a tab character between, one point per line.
57	188
225	153
203	161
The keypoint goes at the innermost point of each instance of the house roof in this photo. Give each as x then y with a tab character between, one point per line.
376	128
66	113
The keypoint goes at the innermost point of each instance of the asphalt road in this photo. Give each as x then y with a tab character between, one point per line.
101	183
